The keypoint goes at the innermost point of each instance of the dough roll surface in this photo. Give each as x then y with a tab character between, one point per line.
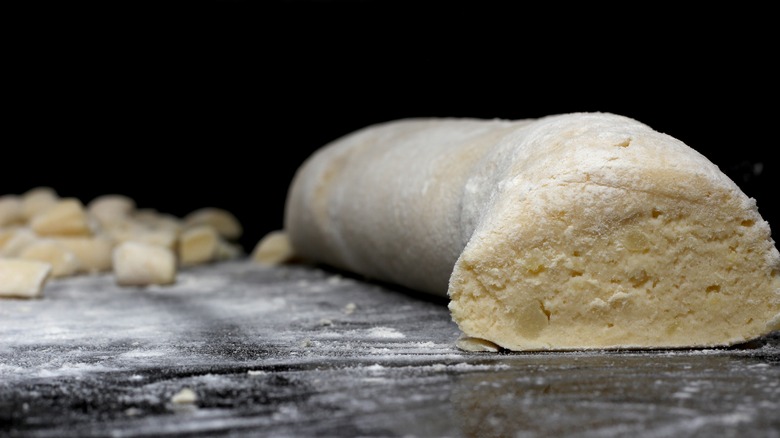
572	231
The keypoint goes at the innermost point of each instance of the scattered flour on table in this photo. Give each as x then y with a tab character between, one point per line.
372	333
461	366
146	354
190	282
384	332
68	369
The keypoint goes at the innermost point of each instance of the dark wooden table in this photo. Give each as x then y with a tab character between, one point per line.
300	351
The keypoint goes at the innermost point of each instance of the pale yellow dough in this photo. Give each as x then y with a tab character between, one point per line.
573	231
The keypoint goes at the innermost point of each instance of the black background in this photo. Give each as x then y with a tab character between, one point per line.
195	104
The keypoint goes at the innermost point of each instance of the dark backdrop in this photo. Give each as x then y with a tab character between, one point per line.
190	105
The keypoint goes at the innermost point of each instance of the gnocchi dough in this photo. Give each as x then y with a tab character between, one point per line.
571	231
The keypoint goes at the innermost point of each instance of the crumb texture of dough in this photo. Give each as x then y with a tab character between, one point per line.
571	231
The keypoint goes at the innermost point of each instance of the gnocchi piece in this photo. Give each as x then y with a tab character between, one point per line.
23	278
273	249
198	245
143	264
67	217
223	221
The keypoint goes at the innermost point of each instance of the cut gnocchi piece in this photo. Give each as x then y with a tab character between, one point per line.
198	245
273	249
143	264
67	217
23	278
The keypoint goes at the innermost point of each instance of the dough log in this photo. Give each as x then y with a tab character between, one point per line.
572	231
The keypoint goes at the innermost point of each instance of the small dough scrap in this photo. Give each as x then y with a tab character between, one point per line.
67	217
226	224
476	345
567	232
142	264
184	396
23	278
273	249
198	245
63	261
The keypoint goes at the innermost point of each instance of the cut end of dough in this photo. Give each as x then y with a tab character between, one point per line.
641	270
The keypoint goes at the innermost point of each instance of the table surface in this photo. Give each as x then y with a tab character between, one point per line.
297	351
